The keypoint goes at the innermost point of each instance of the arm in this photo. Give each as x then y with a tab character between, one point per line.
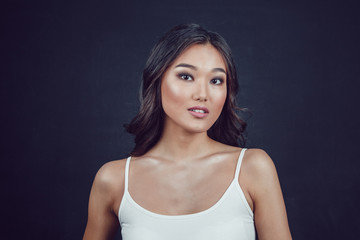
105	198
266	196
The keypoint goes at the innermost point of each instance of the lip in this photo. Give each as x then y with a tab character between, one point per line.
198	114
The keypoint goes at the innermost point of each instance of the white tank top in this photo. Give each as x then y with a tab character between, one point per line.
229	218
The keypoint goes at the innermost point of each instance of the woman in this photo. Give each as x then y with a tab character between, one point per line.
186	177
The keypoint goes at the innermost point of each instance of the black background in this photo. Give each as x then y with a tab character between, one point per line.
70	74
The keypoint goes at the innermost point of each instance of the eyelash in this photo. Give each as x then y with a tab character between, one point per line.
217	79
185	75
182	75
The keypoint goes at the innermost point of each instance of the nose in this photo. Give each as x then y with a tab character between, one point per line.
200	92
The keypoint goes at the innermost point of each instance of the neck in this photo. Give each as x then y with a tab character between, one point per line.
179	145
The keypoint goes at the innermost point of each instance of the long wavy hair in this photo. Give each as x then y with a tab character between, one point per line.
147	125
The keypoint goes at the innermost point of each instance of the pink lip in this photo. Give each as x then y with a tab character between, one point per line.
199	114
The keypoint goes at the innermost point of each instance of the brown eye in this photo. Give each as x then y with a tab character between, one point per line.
185	77
217	81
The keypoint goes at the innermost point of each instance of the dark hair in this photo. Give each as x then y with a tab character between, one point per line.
148	124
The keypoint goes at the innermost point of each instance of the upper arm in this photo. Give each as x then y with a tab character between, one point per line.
265	191
105	196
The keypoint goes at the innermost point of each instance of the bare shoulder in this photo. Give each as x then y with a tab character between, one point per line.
264	195
258	163
105	196
259	173
110	177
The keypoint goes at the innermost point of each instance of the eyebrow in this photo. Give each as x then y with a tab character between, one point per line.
195	68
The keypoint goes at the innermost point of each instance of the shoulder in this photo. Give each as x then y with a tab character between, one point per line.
255	160
258	162
111	170
109	179
259	171
264	195
105	197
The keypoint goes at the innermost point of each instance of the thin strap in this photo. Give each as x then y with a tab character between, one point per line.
241	156
127	173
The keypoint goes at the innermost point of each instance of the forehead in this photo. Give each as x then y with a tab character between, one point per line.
204	56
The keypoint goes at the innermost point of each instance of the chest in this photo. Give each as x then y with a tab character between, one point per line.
177	189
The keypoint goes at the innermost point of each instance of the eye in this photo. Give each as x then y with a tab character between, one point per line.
185	77
217	81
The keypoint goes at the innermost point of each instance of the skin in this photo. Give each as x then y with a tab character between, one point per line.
198	176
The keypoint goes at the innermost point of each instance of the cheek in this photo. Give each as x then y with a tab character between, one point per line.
220	98
171	94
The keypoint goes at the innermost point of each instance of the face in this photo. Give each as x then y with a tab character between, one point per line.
193	89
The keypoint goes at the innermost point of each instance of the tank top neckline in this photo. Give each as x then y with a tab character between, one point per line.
233	183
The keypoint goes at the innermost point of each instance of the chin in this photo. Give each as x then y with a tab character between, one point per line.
197	129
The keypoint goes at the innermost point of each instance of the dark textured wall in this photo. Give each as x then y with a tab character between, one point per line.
70	73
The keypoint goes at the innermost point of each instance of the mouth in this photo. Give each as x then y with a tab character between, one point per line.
199	112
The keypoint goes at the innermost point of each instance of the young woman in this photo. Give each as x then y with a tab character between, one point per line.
186	177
